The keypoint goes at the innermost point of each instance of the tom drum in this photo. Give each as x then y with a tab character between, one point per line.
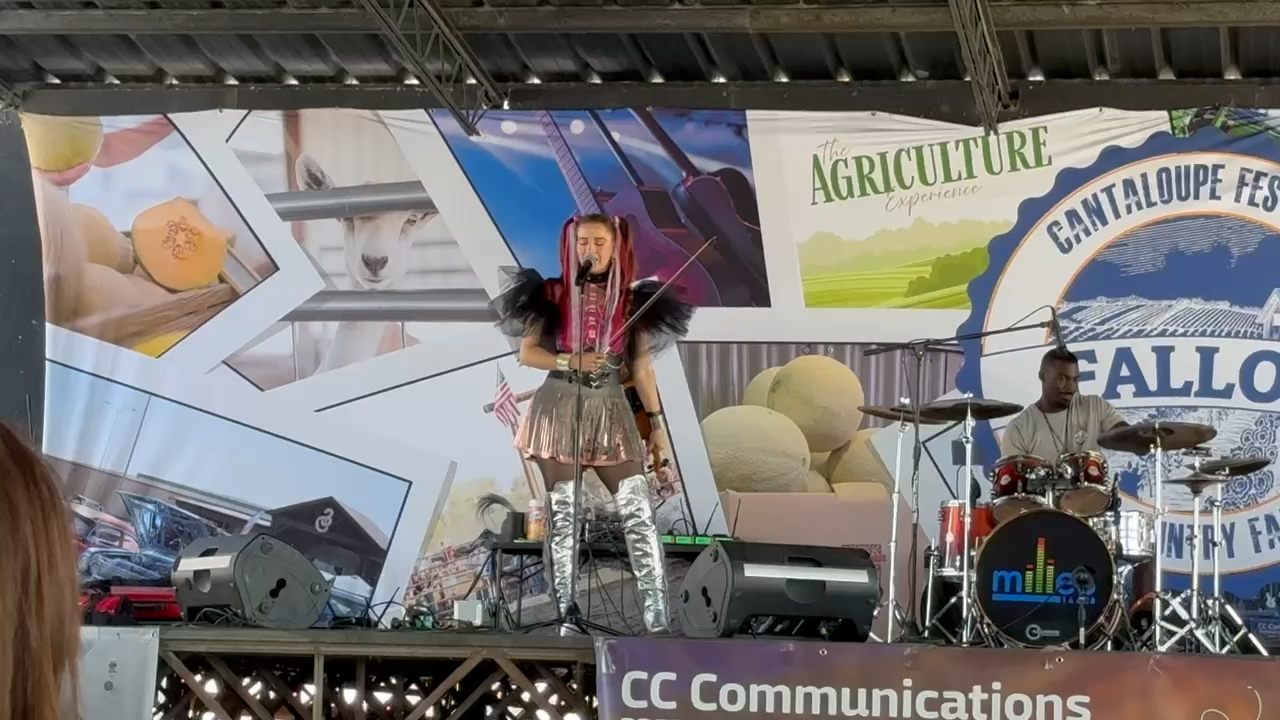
951	534
1019	484
1088	487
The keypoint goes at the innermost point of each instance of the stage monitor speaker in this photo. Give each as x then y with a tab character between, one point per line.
257	578
756	589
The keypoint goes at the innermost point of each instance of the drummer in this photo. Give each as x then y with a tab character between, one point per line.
1062	420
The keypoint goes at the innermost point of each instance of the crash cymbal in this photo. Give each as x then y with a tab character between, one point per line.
1234	467
1138	439
896	413
958	409
1197	482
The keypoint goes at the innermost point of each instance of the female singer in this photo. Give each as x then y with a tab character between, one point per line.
571	326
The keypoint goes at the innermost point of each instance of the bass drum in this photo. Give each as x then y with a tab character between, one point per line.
1031	575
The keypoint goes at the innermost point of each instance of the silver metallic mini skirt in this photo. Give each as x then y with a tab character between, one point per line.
609	432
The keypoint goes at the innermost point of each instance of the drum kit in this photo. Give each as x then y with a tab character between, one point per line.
1053	560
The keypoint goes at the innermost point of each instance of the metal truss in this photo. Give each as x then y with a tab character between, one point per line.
349	674
9	97
438	57
982	56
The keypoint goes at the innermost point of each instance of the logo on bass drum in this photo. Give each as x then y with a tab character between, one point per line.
1161	261
1040	582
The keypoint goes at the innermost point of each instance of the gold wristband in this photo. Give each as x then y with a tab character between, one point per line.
562	362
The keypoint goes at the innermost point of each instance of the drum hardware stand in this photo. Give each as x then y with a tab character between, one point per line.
1218	605
1193	599
933	619
1083	583
918	348
1205	617
967	614
897	616
1157	607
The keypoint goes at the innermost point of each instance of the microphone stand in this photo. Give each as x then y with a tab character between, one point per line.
573	616
918	348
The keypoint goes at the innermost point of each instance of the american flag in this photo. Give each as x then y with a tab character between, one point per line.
504	403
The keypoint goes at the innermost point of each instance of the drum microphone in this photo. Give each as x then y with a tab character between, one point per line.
1082	579
1056	329
584	269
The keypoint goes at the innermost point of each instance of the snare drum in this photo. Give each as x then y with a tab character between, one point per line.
1018	485
951	534
1088	492
1129	534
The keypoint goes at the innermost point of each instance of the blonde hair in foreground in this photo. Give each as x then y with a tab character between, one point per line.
39	616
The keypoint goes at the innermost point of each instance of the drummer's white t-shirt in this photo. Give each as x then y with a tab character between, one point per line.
1046	435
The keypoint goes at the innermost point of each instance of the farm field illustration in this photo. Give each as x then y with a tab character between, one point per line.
925	265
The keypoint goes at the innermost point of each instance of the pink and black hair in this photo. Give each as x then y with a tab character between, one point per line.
621	275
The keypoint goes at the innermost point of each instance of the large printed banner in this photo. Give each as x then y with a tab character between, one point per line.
270	322
1153	234
279	320
748	679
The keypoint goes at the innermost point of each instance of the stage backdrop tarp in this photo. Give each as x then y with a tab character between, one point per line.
828	228
748	679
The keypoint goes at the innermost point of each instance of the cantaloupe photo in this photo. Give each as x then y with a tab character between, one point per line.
755	449
757	392
106	245
858	462
57	144
818	461
178	246
148	292
63	252
815	483
104	291
821	395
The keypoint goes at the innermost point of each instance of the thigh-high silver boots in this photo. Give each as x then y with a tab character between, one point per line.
558	560
645	550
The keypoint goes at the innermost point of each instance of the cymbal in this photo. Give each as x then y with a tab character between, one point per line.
1138	439
1197	482
958	409
1233	467
896	413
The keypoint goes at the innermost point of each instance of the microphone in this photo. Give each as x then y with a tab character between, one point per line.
1055	328
584	269
1082	579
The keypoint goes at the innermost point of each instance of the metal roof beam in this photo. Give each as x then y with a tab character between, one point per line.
949	101
853	18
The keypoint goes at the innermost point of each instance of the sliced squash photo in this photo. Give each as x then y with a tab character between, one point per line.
179	247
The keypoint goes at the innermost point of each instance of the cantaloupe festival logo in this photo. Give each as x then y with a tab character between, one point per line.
1161	260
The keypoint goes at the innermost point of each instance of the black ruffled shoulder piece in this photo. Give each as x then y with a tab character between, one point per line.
662	323
527	304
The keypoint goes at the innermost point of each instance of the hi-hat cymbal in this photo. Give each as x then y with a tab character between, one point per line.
1234	467
1138	439
896	413
958	409
1197	482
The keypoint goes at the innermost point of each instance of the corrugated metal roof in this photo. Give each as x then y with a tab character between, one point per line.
571	46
